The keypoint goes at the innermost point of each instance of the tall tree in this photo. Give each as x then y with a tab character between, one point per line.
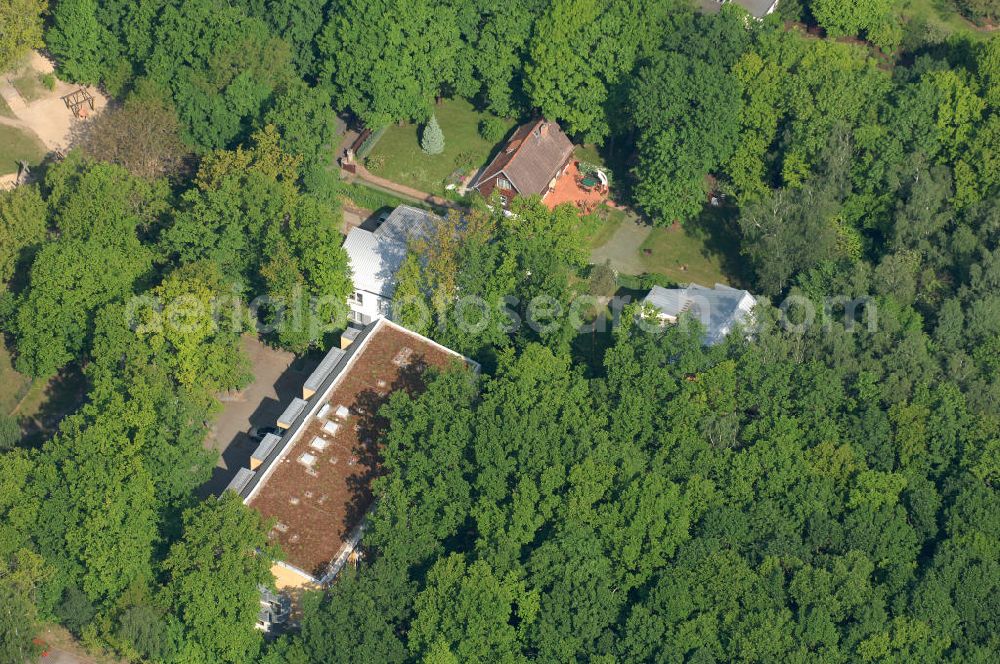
97	258
687	113
388	60
21	27
213	577
74	38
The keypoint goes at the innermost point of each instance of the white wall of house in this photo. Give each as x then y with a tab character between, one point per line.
366	306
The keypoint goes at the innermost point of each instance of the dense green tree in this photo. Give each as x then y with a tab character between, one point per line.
75	40
21	26
23	223
96	259
579	51
220	66
213	574
97	520
303	117
687	113
388	60
466	614
874	19
19	620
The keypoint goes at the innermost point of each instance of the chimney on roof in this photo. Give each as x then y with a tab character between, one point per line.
543	129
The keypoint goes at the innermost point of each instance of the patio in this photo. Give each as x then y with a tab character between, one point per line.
583	191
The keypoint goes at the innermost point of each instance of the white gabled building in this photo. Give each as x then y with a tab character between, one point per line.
376	257
719	309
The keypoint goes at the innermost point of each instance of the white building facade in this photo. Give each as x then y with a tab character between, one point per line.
376	257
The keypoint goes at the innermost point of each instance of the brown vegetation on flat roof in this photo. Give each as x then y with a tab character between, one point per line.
317	502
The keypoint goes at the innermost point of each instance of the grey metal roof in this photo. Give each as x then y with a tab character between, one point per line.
326	366
756	8
240	480
269	442
670	301
293	411
376	256
719	309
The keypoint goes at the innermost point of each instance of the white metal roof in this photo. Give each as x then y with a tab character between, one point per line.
719	309
376	256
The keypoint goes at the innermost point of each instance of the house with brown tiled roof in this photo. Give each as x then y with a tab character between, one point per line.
531	162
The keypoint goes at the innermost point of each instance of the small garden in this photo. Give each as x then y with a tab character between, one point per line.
398	155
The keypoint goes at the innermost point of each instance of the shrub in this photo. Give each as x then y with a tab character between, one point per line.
492	128
369	143
603	281
49	81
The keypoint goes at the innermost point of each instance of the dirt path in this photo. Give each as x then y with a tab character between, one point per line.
403	190
622	249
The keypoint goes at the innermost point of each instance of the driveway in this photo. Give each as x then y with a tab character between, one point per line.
278	378
622	249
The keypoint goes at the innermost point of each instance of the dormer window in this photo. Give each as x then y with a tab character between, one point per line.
504	183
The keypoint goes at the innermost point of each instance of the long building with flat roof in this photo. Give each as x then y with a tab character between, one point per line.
314	480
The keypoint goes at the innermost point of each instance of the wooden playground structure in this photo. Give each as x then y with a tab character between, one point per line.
78	102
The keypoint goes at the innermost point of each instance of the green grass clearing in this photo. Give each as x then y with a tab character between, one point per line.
943	16
16	144
599	226
13	386
5	109
705	250
398	157
29	85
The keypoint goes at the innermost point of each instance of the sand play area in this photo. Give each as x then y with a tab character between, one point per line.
34	119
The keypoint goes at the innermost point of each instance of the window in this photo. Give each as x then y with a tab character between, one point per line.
356	297
504	183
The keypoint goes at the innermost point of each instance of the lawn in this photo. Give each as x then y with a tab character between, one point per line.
16	144
13	386
29	86
601	225
398	157
705	250
5	109
942	15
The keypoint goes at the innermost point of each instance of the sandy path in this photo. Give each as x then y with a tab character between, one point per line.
48	116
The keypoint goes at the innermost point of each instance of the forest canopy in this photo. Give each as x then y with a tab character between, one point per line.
816	492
